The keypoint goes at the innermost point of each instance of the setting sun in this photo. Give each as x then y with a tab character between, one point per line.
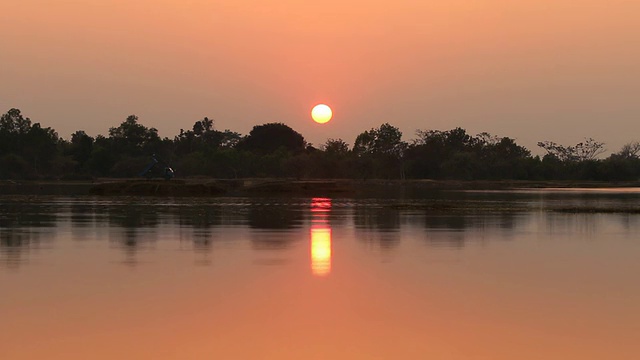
321	113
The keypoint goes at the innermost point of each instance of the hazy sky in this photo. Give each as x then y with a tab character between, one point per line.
557	70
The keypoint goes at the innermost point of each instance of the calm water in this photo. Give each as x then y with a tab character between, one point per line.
314	278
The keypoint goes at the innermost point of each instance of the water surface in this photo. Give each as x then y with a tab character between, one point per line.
501	277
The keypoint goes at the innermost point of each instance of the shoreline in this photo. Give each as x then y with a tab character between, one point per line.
266	186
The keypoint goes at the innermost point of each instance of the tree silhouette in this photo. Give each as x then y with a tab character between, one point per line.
81	148
133	139
583	151
268	138
30	151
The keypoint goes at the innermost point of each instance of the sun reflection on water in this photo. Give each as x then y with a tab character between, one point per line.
320	237
321	251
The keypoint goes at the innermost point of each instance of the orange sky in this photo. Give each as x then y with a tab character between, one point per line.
538	70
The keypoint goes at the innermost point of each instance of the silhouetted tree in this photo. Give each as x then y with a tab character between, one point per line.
335	147
458	155
629	150
268	138
380	152
134	139
35	145
205	138
14	123
586	150
80	148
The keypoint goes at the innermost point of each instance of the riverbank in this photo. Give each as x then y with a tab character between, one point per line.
242	187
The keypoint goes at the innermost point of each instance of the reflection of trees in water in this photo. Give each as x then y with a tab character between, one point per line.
84	218
133	226
454	230
16	243
590	223
82	215
202	247
506	220
200	217
629	221
28	215
385	240
204	219
377	226
274	224
274	217
201	220
585	224
23	227
376	218
274	239
131	218
202	239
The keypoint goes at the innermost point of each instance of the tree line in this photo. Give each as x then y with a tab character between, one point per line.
30	151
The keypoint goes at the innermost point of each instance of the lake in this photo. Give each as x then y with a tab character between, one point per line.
447	275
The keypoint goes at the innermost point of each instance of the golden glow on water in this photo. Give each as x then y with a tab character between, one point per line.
320	237
321	251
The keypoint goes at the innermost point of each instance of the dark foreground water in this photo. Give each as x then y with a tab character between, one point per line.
498	276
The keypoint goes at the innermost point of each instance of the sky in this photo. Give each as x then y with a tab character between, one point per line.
558	70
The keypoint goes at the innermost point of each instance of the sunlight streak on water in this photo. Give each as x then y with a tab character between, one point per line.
321	251
320	237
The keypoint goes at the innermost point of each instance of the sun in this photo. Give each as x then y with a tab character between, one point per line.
321	113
